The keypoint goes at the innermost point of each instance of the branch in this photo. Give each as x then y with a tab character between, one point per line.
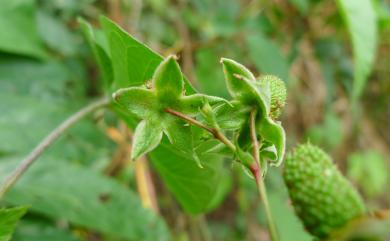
215	132
256	171
45	143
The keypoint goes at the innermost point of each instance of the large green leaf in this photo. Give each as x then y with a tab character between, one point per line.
133	62
208	73
57	189
195	188
56	34
20	130
46	81
361	20
18	28
8	220
86	198
192	186
34	230
101	56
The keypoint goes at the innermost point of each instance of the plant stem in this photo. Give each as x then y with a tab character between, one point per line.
45	143
145	185
215	132
256	171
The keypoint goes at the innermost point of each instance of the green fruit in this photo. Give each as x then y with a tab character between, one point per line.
322	197
278	94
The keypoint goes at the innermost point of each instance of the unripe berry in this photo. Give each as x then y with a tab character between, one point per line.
322	197
278	94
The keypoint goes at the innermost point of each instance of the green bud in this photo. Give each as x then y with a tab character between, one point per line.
278	93
322	197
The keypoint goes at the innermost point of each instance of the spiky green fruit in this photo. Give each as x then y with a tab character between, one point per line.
322	197
278	94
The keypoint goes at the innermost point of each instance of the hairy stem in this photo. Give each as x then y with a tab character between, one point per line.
256	171
45	143
215	132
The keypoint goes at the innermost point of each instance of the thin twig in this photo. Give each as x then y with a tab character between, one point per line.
215	132
256	171
45	143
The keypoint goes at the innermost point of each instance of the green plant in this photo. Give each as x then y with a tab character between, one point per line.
322	197
164	108
186	134
167	105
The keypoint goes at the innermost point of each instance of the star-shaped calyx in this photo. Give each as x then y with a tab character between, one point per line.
151	105
244	87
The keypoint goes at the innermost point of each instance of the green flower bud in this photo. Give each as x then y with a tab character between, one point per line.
322	197
278	94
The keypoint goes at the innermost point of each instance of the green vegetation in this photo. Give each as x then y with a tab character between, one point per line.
171	120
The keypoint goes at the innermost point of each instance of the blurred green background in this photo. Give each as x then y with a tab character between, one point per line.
333	55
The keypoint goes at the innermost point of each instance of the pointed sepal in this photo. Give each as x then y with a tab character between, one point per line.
168	80
147	136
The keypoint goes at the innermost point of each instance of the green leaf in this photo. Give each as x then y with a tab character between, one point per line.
231	117
47	80
267	56
245	158
8	220
168	87
55	33
121	45
236	85
147	136
139	101
192	103
168	80
368	169
102	58
243	86
133	62
18	28
179	134
208	75
361	20
35	230
268	151
274	133
195	188
87	199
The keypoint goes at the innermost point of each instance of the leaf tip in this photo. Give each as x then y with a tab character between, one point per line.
134	156
224	60
172	57
116	95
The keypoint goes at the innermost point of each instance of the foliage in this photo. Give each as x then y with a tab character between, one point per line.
8	220
369	170
57	56
361	20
